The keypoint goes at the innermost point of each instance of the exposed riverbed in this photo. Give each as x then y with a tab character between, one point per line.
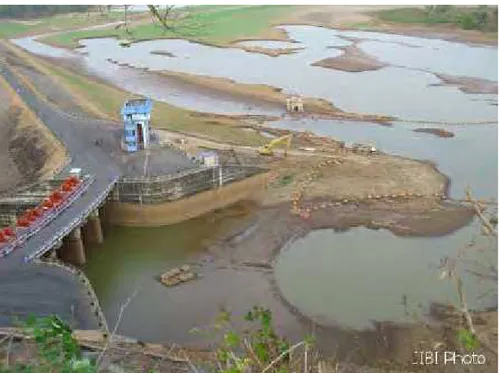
346	279
407	87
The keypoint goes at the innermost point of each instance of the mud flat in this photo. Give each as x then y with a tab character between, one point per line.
160	53
256	246
275	226
254	91
270	52
355	177
268	94
352	60
435	131
470	85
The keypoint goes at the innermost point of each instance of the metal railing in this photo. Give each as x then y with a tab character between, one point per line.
64	231
23	234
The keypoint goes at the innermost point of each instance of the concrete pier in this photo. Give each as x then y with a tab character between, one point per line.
92	230
73	251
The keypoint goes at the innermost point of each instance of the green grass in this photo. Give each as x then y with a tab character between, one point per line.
109	100
13	29
471	18
210	24
410	15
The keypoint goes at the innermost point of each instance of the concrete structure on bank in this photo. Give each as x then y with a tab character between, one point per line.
186	207
72	249
143	201
294	104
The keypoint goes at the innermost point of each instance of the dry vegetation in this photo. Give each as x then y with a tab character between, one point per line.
31	151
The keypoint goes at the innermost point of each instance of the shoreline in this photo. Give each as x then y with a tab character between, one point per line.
274	228
271	95
469	85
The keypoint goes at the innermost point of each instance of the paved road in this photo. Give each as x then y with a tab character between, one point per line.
28	288
78	136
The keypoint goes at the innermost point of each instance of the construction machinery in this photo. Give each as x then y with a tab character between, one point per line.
361	148
267	149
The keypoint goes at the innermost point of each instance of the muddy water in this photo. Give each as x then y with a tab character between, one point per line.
354	284
354	278
406	88
398	91
131	259
469	158
158	88
347	278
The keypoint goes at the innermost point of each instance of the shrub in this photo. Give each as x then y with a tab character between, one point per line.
57	350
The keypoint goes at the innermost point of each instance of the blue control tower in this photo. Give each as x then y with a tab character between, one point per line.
136	117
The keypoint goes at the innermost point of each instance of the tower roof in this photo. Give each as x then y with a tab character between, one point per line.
137	106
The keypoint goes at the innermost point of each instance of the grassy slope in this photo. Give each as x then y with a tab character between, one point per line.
209	24
106	101
109	101
12	29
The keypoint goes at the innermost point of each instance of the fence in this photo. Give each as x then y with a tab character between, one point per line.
14	203
65	230
23	233
160	189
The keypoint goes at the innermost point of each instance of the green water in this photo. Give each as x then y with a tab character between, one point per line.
131	259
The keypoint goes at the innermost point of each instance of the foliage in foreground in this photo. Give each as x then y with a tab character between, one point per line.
257	349
260	348
57	350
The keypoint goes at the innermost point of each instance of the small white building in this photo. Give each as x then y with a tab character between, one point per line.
294	104
208	158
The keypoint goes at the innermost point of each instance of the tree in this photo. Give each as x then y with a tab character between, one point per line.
33	11
163	15
480	16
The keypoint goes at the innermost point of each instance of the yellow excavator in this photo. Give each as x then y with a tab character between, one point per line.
267	148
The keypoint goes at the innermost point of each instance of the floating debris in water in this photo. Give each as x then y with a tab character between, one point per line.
178	275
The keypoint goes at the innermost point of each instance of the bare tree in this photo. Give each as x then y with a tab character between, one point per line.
168	17
163	15
126	18
485	271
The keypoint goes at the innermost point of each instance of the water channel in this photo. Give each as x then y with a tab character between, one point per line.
346	278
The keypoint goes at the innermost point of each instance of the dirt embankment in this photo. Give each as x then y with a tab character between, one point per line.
469	84
269	94
255	246
355	176
352	60
28	150
270	52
